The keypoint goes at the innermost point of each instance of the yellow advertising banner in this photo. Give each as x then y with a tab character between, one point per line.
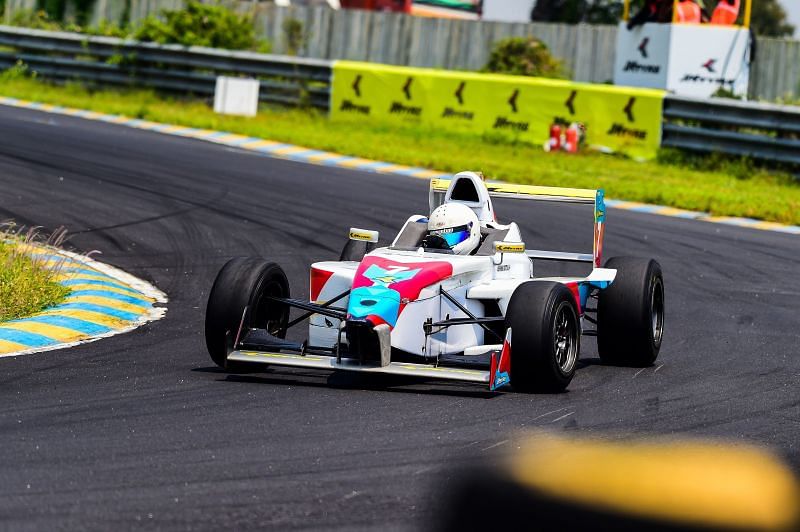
620	119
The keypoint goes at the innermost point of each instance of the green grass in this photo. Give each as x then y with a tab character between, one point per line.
719	185
26	286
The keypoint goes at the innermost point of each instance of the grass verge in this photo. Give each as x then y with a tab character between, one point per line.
720	185
26	286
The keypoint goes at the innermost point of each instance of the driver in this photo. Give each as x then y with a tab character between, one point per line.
455	227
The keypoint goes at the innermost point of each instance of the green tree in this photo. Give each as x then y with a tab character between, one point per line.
575	11
769	19
523	56
198	24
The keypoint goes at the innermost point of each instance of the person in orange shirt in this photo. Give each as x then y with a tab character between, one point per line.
726	12
688	12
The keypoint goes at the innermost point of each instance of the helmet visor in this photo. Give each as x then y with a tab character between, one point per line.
453	235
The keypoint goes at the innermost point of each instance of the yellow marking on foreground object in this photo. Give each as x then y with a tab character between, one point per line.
55	332
700	483
11	347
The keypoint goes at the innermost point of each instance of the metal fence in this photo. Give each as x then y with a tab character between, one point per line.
758	130
764	131
390	38
106	60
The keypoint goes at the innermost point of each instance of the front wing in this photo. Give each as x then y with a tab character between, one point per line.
497	376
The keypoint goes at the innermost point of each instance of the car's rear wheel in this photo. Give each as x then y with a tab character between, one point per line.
630	313
545	336
244	283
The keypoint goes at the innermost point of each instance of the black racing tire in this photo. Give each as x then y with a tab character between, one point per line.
545	336
630	313
242	283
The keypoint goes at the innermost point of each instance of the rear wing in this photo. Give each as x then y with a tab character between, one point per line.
439	187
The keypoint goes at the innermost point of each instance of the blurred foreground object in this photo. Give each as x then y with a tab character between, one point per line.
553	482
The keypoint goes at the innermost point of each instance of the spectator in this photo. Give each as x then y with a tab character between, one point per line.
688	12
652	11
726	12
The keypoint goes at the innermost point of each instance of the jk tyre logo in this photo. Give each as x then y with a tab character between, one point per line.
570	103
513	101
459	94
621	130
457	112
400	108
710	67
643	47
502	122
407	88
348	106
629	109
635	66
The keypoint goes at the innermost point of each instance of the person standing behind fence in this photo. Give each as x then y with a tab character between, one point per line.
688	12
726	12
652	11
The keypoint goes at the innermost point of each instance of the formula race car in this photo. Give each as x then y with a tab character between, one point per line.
453	297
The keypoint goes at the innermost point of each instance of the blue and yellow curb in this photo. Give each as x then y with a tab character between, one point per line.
103	301
325	158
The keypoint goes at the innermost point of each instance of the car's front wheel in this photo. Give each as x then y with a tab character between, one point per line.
244	283
545	336
630	313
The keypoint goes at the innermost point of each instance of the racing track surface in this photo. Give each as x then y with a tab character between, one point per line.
140	431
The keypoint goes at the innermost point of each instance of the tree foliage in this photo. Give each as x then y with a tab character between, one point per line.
769	19
575	11
523	56
198	24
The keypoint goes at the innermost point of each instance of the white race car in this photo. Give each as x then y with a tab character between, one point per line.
453	297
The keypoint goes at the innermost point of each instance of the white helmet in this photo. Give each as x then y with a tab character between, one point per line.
457	225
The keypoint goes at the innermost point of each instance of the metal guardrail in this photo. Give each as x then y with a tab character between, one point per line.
107	60
761	131
757	130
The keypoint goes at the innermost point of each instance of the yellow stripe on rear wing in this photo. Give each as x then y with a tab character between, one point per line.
534	192
438	191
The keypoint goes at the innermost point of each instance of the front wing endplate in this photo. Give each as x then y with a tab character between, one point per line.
329	363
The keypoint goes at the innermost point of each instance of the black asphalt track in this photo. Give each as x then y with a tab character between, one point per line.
140	431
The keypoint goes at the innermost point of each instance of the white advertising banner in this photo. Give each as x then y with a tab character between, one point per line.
686	59
642	56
